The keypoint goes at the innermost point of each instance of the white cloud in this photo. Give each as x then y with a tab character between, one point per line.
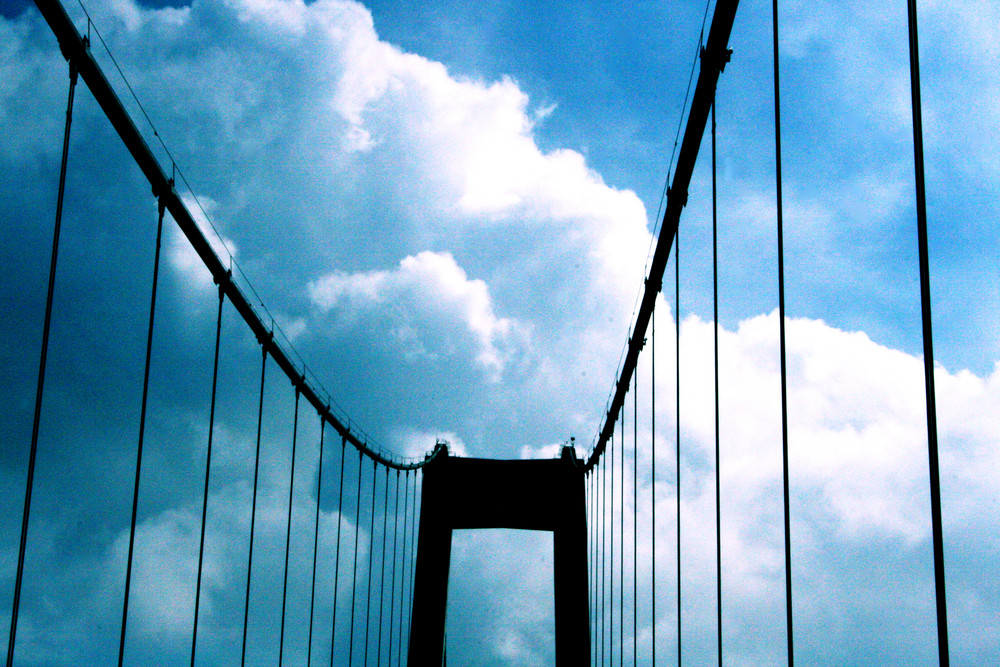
858	464
524	263
413	443
433	302
182	256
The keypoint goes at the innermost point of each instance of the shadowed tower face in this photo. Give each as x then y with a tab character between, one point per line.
483	493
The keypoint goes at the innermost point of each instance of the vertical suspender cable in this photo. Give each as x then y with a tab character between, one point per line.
604	551
208	470
41	369
381	581
598	598
602	486
371	552
336	561
677	441
925	314
408	618
354	576
600	504
594	598
590	562
142	430
288	530
611	568
414	527
635	516
319	495
402	573
392	588
621	552
715	322
598	567
253	504
652	477
781	332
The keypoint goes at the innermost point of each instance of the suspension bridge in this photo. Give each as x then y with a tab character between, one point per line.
386	535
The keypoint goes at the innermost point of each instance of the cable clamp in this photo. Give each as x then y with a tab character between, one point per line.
718	62
682	198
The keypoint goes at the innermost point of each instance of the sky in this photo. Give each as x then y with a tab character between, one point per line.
447	209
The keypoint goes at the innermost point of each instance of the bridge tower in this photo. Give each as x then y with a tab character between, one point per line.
486	493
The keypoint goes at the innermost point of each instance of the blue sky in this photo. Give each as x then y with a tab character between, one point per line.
447	209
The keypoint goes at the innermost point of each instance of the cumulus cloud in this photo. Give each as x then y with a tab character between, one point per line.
434	306
512	619
523	263
182	256
414	442
858	462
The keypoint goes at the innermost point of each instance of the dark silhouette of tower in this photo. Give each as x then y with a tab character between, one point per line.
486	493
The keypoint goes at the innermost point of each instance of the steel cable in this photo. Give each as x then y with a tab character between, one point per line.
336	562
621	551
381	582
715	321
392	588
604	552
652	477
937	531
402	574
414	526
611	611
142	430
208	470
677	422
635	516
371	552
253	505
288	531
354	576
319	495
33	451
781	341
